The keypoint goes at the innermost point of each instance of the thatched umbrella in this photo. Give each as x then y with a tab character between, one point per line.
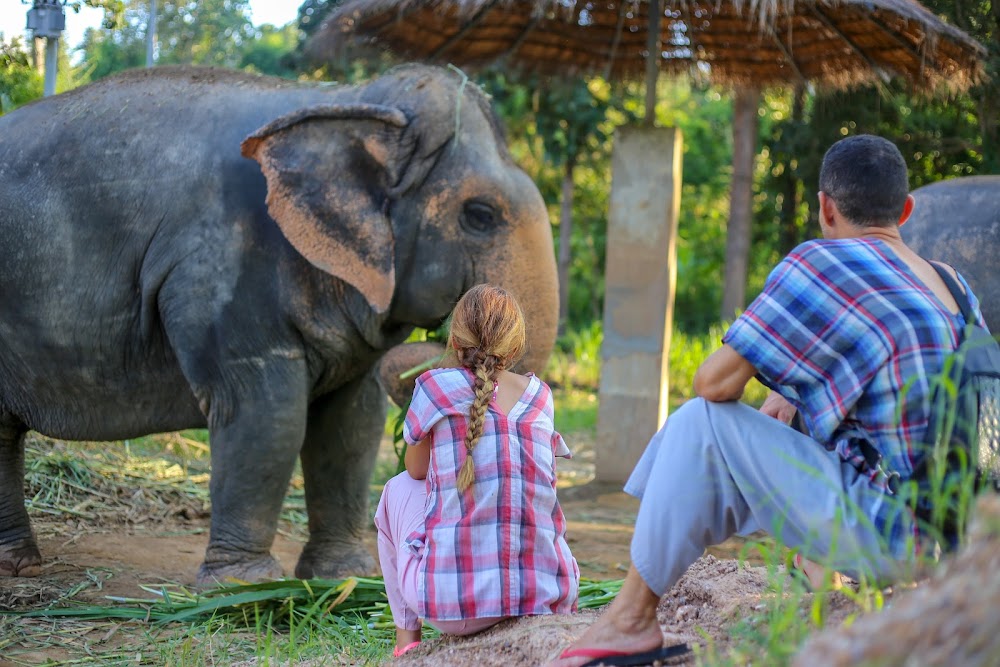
735	42
743	44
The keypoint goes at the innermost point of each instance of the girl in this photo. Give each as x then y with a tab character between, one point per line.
472	532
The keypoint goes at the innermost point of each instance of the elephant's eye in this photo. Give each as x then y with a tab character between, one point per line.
478	216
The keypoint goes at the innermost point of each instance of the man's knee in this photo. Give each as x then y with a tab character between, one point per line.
689	420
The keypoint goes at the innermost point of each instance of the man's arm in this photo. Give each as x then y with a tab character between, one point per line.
723	376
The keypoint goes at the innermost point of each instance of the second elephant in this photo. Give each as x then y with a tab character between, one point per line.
958	221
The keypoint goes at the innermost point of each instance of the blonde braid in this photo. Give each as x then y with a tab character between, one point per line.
485	368
487	335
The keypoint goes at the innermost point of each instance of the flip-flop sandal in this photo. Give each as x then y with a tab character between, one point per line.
397	652
625	659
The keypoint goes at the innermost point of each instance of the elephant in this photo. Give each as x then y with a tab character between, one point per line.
958	221
190	247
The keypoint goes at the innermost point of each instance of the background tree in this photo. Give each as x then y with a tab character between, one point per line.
561	133
571	120
19	79
270	52
207	32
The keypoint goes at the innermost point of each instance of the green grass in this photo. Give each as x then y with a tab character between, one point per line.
575	410
285	620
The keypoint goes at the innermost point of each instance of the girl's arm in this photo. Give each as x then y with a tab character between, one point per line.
417	458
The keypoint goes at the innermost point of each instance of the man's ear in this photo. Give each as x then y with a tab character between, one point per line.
827	209
907	210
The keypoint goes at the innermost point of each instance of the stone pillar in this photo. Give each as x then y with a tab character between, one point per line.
640	275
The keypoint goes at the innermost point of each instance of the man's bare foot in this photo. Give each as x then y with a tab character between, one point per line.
628	626
816	574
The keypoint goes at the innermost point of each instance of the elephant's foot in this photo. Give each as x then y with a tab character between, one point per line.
251	569
23	560
334	561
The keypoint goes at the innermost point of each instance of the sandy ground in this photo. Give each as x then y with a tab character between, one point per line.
105	560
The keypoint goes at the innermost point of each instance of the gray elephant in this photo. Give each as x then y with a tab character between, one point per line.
184	247
958	221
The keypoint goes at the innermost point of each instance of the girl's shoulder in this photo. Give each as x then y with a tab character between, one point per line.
543	387
446	381
443	375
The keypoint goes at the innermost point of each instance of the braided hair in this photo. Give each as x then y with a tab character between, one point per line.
487	334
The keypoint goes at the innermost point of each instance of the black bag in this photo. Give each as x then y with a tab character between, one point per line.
963	436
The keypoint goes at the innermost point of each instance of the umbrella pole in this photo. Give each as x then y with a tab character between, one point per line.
652	60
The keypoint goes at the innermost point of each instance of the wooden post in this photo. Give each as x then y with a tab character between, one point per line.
640	277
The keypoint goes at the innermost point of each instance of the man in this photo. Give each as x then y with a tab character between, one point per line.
847	331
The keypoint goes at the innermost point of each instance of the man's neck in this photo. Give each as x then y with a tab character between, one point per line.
887	234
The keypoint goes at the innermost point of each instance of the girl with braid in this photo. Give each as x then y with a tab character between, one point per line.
472	533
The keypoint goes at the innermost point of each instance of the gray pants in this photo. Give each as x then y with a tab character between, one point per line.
719	469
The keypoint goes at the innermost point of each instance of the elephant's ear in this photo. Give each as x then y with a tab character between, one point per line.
330	170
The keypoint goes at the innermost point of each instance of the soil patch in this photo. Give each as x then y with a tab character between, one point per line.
88	558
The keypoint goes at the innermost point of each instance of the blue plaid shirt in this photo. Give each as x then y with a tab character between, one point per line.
849	335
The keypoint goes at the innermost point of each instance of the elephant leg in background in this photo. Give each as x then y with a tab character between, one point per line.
19	555
342	440
253	456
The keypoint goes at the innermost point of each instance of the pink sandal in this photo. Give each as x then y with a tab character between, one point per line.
397	652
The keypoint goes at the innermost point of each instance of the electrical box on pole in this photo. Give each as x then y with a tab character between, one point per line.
47	19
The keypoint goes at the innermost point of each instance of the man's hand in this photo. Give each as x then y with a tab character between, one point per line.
776	406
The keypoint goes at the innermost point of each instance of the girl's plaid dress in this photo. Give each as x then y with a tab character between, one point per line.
498	549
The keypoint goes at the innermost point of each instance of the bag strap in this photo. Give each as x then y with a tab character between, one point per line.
956	292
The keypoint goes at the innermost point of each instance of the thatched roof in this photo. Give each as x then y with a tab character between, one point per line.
831	43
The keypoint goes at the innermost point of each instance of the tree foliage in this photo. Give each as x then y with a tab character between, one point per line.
19	81
940	136
206	32
114	10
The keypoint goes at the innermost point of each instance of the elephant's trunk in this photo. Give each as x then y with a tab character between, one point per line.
529	273
540	304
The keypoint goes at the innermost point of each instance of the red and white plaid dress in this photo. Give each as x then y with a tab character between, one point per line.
499	549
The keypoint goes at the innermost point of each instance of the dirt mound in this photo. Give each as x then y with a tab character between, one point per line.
950	620
713	595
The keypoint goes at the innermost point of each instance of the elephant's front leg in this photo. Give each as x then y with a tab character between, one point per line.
342	440
253	455
19	556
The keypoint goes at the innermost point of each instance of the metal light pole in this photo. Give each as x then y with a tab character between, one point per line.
47	19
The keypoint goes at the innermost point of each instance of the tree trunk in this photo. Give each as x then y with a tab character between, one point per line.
734	284
652	61
38	54
151	35
565	239
791	230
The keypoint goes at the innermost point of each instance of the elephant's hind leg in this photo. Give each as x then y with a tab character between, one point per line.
19	555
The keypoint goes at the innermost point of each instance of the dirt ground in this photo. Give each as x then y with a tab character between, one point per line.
97	562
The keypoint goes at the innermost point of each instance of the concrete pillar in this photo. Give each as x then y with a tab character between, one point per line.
640	275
